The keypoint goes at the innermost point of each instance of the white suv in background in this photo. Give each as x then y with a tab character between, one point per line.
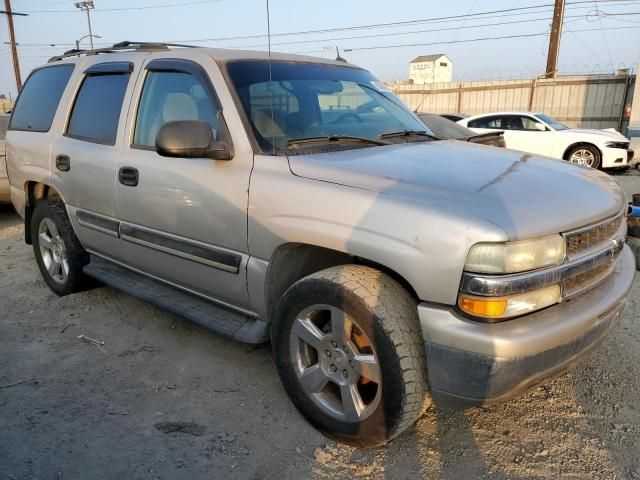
541	135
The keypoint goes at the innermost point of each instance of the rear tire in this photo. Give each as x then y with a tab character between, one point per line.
59	255
586	155
349	351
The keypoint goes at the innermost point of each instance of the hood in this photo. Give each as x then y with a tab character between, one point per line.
609	134
524	195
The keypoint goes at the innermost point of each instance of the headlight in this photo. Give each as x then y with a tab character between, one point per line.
501	308
622	145
513	257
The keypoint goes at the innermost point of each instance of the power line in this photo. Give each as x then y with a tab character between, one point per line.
46	4
146	7
604	37
525	35
396	34
586	47
355	37
447	19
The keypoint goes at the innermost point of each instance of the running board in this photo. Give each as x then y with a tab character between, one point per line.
223	320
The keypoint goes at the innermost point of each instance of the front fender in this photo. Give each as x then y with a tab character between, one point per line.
427	246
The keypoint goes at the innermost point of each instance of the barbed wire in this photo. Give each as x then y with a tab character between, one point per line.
529	72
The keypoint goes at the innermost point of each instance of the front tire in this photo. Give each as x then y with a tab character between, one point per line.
349	351
59	255
585	155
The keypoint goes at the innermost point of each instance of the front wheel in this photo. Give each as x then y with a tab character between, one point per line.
585	155
349	351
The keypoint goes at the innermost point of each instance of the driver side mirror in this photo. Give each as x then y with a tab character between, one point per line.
191	139
540	127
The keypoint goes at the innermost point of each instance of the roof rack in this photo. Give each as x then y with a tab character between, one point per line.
121	46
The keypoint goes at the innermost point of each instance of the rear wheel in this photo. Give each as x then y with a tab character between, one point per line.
349	351
585	155
59	255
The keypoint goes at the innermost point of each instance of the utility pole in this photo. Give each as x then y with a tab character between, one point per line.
86	6
554	41
12	37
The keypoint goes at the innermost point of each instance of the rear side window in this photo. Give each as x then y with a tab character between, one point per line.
96	111
486	122
39	99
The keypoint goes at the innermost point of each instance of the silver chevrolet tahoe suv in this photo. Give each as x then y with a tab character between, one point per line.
296	200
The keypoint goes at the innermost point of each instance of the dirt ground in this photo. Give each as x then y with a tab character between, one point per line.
164	398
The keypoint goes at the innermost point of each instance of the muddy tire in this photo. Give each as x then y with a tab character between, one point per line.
349	351
59	255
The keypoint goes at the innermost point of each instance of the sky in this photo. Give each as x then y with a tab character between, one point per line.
598	36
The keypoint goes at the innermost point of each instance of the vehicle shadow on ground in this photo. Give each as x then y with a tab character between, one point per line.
8	216
607	386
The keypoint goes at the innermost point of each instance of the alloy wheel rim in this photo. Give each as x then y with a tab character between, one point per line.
583	157
53	251
335	363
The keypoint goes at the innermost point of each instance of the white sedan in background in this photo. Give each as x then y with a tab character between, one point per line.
539	134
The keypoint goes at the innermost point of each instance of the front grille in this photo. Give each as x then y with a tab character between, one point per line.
583	281
600	243
585	239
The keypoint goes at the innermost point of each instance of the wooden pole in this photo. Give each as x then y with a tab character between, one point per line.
12	37
554	40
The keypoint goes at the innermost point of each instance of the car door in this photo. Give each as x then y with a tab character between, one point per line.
184	220
85	156
526	134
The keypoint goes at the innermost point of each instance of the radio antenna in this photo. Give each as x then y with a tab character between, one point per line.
270	79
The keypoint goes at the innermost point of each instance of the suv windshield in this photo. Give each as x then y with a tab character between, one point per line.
552	123
327	103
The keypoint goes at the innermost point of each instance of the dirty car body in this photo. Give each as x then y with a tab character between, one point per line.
310	169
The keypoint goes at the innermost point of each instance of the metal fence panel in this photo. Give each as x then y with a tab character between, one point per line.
588	101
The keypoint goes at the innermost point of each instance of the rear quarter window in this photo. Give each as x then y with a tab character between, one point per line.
486	122
96	111
39	99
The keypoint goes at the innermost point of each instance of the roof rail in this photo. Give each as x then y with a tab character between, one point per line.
121	46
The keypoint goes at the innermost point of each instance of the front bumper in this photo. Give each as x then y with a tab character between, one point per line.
472	363
616	157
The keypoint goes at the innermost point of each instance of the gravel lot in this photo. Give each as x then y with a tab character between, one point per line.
164	398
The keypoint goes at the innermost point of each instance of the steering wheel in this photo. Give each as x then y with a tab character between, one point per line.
345	116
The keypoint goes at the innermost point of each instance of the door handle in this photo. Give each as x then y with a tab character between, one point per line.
63	163
128	176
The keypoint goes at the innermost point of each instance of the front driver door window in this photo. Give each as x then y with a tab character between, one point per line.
169	97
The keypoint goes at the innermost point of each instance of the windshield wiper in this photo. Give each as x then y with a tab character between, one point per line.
335	138
408	133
